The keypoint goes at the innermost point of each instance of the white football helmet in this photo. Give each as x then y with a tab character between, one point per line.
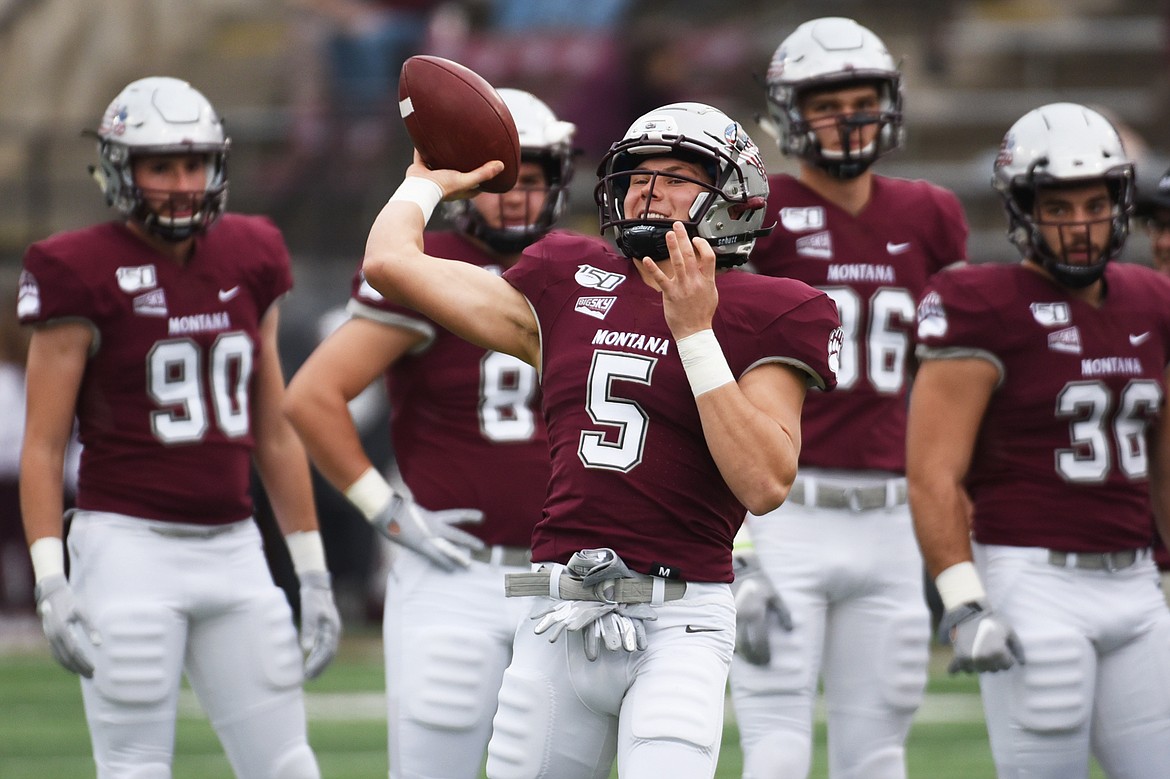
545	140
729	213
160	115
830	53
1056	145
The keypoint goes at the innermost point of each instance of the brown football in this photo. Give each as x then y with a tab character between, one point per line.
457	120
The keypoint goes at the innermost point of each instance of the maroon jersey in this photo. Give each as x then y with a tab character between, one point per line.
164	411
631	468
874	267
1062	457
465	422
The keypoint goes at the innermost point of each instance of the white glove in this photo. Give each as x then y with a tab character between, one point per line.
320	622
757	604
981	640
59	614
617	625
430	533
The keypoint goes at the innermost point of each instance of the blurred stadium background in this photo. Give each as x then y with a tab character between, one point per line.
321	166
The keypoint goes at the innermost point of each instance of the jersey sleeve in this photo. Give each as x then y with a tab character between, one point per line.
278	278
955	319
51	290
808	337
950	244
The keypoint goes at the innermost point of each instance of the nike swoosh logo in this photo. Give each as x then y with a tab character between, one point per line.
227	294
693	629
1139	339
897	248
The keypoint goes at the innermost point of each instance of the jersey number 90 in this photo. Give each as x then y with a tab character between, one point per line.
175	382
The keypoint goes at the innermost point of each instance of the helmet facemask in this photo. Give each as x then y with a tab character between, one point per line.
1028	232
800	139
727	212
830	54
1064	146
468	218
162	116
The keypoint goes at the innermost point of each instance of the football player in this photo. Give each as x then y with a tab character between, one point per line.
159	332
672	395
1040	403
471	447
1153	209
840	553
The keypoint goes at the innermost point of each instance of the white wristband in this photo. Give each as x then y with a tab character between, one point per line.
703	360
307	551
48	557
959	584
370	493
423	192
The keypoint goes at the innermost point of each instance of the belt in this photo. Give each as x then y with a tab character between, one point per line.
191	531
652	589
812	491
1096	561
515	556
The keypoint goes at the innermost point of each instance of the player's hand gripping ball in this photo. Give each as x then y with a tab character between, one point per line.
457	120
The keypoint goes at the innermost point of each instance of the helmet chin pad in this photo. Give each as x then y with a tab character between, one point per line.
646	239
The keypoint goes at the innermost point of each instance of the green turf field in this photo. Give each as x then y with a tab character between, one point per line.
43	733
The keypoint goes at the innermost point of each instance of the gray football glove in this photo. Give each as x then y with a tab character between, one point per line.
320	622
981	640
430	533
616	625
757	605
59	615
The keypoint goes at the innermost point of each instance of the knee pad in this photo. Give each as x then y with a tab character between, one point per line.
1051	691
905	655
298	763
518	750
137	663
453	681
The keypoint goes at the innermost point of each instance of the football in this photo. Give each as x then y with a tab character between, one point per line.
457	120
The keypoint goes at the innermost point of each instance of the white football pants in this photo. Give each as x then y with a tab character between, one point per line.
447	639
659	711
204	605
1097	670
853	582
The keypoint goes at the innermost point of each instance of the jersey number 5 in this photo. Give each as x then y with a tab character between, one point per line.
623	451
174	379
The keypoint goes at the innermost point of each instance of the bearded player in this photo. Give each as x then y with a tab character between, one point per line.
672	396
471	446
841	552
1041	403
159	332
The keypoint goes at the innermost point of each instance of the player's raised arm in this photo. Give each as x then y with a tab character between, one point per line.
752	426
